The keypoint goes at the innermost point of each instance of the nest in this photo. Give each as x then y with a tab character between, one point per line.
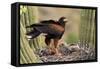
72	52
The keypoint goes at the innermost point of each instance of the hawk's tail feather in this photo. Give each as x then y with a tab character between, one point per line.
33	34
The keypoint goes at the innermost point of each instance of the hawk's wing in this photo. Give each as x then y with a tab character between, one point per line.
47	21
48	28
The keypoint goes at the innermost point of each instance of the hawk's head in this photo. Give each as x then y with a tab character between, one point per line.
63	20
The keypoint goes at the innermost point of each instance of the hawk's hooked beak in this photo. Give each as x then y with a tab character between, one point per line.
65	20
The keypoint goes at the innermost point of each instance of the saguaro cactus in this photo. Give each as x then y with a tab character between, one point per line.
28	16
87	28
